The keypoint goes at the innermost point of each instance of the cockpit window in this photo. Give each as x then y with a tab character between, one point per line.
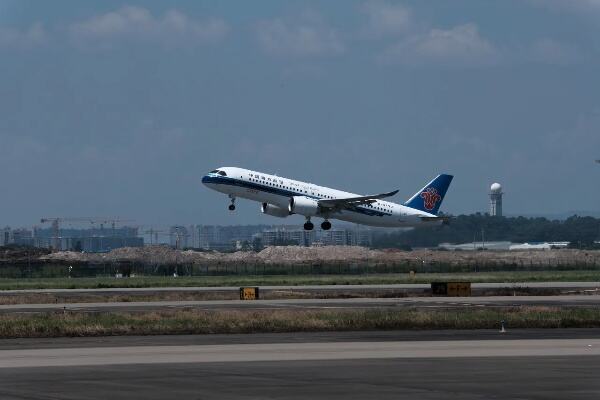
214	171
222	173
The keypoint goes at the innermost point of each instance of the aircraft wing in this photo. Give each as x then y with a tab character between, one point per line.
353	201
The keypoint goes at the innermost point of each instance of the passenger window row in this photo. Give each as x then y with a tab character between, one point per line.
384	208
274	184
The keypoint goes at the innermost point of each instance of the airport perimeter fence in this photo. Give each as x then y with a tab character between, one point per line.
124	269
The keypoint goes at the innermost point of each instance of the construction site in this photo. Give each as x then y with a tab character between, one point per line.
87	234
115	246
163	260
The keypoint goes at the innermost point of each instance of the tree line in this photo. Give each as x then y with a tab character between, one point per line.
582	232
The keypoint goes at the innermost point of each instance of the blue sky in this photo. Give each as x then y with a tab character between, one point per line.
118	108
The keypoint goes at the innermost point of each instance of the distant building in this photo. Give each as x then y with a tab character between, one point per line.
335	237
225	238
216	237
496	200
540	246
360	237
5	236
476	246
22	237
179	236
41	239
208	236
194	236
287	236
19	236
89	240
503	246
298	236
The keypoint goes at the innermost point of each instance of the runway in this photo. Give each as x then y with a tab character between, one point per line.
352	303
62	357
449	369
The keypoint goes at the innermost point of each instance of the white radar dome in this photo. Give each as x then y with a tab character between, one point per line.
496	188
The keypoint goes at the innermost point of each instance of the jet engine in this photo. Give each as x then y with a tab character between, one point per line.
274	211
303	206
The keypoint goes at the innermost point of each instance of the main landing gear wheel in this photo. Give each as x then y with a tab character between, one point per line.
326	225
308	226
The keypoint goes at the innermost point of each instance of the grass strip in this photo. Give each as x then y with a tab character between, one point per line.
211	322
294	280
70	297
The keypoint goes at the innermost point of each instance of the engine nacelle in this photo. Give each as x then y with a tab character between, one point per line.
303	206
274	211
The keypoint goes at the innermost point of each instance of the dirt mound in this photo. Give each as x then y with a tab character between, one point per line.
298	254
15	253
302	255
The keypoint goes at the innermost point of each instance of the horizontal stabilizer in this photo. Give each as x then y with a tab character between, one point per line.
432	219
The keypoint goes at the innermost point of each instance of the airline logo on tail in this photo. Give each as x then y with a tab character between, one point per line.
430	198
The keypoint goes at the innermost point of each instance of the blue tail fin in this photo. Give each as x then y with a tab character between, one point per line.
429	199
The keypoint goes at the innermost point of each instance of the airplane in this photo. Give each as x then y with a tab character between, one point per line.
282	197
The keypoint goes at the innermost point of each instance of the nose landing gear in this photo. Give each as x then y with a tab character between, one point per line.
232	205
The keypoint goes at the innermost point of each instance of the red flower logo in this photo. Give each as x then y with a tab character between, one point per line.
430	198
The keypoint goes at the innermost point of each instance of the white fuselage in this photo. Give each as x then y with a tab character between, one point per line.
278	191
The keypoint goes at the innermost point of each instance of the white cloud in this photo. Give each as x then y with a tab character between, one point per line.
139	23
386	19
307	38
34	35
458	46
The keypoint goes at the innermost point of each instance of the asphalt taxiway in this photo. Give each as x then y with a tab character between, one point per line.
401	378
556	368
353	303
298	337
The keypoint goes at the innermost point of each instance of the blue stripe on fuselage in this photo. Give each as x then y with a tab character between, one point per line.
223	180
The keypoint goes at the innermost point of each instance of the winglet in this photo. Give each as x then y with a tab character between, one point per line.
389	194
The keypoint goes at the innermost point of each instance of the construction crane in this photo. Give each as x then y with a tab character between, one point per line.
176	235
154	233
57	221
179	233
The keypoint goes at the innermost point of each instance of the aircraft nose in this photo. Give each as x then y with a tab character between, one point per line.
205	179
